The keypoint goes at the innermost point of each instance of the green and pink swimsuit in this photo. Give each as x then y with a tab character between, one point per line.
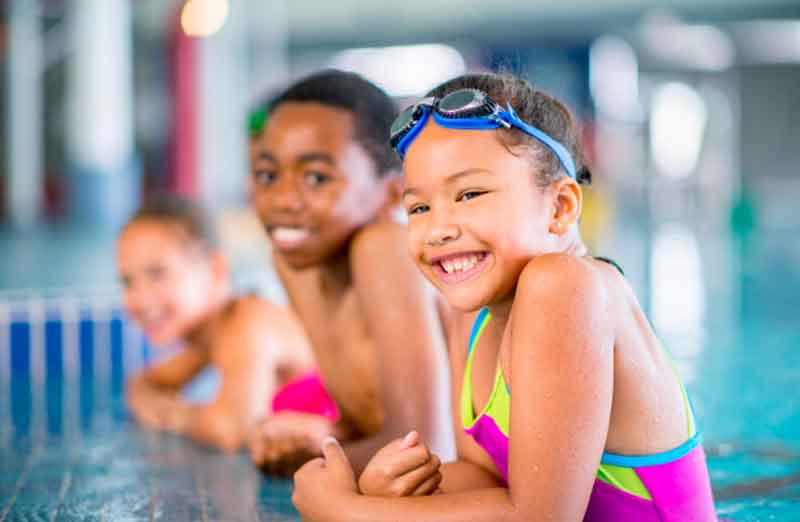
666	487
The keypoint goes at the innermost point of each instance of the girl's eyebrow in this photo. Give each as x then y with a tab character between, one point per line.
452	178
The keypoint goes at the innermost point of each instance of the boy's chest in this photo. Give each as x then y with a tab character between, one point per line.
346	355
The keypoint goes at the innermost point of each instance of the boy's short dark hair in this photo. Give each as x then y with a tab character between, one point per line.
373	110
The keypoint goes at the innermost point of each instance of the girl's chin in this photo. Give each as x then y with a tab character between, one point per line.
463	301
162	338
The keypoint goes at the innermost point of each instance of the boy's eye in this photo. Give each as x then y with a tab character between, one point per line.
265	177
418	209
314	178
469	194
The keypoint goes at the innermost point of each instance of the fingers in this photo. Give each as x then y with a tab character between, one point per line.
425	478
409	440
256	445
333	452
407	460
429	486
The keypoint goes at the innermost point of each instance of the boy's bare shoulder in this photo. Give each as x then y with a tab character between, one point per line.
379	238
381	249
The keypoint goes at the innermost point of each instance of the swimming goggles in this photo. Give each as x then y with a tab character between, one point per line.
468	109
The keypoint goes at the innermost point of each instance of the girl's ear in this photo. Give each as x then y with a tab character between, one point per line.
568	200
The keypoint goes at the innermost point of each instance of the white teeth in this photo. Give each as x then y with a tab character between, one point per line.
289	234
460	264
151	318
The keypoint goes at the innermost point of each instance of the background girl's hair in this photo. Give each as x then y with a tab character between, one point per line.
535	107
189	218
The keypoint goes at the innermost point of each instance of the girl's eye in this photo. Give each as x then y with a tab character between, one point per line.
265	177
156	273
418	209
316	178
469	194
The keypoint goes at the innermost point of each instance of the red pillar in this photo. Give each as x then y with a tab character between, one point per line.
185	129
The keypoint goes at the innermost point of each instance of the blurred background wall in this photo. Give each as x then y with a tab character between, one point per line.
690	113
689	110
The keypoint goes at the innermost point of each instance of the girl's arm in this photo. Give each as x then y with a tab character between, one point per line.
401	314
151	393
248	348
473	469
562	360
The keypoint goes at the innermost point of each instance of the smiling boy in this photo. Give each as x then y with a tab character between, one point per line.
324	184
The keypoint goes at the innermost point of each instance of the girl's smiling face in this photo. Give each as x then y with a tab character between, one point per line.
476	214
168	286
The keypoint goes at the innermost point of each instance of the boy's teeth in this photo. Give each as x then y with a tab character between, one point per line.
289	233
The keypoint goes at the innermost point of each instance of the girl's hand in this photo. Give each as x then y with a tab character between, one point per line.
402	468
324	484
284	441
154	410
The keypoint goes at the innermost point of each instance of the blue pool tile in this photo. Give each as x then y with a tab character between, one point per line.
20	336
21	403
54	348
86	344
117	327
54	399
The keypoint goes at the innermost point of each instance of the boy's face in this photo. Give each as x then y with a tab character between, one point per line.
313	184
166	284
475	214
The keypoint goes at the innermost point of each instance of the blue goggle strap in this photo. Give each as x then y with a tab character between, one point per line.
564	157
495	121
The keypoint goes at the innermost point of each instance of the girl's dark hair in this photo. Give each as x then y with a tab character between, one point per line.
373	111
187	217
535	107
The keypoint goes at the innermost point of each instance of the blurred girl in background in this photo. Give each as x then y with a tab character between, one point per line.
177	288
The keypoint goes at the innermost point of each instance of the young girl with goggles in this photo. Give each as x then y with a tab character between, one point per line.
567	407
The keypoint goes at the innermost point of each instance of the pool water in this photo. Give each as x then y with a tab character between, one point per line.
111	470
69	450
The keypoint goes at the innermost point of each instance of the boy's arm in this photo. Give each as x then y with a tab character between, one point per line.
400	311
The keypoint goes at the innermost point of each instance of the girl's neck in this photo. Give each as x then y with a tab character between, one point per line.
501	311
569	244
572	244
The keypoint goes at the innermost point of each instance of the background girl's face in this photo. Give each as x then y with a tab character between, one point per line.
167	285
476	215
313	184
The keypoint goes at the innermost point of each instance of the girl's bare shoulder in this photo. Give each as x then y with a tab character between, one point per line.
563	276
252	314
